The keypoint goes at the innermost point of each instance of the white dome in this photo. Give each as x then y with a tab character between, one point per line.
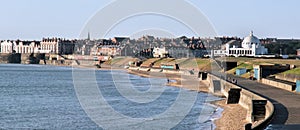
250	40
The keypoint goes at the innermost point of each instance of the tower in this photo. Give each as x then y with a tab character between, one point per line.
89	36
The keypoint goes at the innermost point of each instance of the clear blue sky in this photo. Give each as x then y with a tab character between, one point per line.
34	19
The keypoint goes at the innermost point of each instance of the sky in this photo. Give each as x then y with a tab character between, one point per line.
35	19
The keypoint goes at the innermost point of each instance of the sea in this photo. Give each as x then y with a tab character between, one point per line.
53	97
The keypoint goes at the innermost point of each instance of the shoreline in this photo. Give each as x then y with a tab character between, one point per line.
229	118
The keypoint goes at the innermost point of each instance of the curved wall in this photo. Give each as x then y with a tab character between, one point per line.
246	100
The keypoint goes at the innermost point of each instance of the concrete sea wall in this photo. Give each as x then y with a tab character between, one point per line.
18	58
41	59
291	78
282	85
10	58
259	110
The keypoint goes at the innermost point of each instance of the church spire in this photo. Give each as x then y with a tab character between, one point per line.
89	36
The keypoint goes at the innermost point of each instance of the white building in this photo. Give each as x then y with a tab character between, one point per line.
55	46
250	46
160	52
20	46
7	47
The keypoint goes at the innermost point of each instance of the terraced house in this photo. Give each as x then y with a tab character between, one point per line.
19	46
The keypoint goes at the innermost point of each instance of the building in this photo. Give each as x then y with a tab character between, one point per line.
179	52
18	46
57	46
85	47
109	47
108	51
118	40
160	52
7	46
250	46
298	52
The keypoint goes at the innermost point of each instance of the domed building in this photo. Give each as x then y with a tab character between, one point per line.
251	40
250	46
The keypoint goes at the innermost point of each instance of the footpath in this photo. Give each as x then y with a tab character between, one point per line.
286	103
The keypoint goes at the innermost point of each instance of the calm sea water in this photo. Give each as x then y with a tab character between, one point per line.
43	97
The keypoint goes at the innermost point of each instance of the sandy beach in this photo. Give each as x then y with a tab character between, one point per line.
233	116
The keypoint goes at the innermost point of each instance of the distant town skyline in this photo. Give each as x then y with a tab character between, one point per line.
34	19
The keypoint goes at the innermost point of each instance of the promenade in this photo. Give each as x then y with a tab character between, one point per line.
287	104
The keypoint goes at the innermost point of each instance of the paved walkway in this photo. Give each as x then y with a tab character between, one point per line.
287	104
